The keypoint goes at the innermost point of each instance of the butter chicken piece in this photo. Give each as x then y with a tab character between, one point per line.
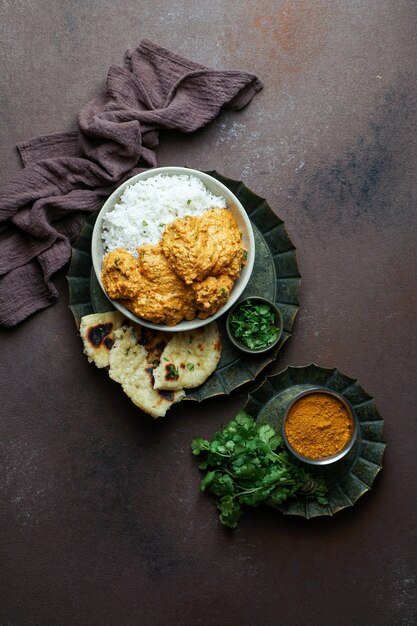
197	247
211	294
120	274
188	249
223	230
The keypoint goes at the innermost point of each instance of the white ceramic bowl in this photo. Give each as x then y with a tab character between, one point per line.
216	188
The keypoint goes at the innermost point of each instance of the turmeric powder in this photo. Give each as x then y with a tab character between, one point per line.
318	425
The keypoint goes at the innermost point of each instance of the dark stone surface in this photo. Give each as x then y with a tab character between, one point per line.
101	521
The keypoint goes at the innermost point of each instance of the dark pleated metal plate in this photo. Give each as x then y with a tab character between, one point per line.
275	276
349	478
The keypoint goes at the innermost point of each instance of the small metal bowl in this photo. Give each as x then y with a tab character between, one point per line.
349	444
279	322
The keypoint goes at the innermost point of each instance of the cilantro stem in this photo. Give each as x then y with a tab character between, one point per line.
288	481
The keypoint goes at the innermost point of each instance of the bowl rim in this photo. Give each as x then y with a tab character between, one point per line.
235	341
344	451
239	286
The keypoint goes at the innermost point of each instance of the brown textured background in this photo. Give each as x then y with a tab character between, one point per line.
101	521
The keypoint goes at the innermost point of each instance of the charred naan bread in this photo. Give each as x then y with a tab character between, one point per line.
189	358
97	333
152	366
129	366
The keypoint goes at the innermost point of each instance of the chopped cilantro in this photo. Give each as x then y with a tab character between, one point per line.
189	201
172	372
190	366
144	223
116	262
254	325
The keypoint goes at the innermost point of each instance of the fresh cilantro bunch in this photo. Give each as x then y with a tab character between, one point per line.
254	325
248	465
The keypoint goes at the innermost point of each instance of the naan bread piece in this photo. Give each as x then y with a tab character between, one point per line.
189	358
97	333
129	367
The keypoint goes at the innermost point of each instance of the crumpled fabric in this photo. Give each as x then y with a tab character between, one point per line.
68	175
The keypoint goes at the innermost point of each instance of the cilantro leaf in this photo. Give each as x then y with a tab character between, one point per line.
199	444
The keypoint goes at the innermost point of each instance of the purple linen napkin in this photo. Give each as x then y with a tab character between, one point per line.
67	175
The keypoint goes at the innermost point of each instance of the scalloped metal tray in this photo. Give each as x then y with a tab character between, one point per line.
349	478
275	276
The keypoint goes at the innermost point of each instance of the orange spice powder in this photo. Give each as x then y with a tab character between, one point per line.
318	425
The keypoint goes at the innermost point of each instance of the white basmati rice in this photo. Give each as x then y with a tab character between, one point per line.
146	206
